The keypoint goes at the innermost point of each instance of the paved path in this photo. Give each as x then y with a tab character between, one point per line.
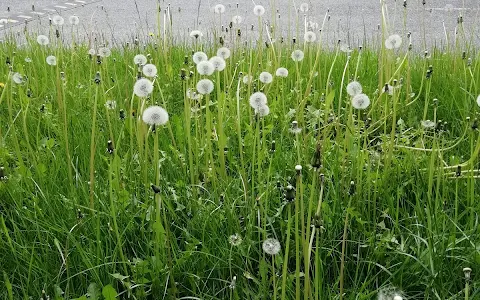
350	20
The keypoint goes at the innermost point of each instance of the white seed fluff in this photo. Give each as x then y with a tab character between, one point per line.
43	40
360	101
304	7
223	52
271	246
298	55
478	100
262	111
249	78
92	52
265	77
199	57
155	115
74	20
237	19
51	60
259	10
17	78
150	70
218	63
310	37
205	86
258	100
205	68
104	52
219	9
58	20
140	59
196	34
282	72
143	87
354	88
393	42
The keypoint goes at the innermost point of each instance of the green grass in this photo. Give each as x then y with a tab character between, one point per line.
389	208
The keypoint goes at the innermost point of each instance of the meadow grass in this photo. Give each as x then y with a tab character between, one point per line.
368	203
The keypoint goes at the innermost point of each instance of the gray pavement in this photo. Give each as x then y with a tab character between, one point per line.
350	20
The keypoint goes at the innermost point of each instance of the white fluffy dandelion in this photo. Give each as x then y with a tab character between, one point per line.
74	20
360	101
219	9
478	100
193	94
43	40
51	60
304	7
310	37
265	77
427	124
258	100
155	115
393	42
262	111
205	86
281	72
237	19
345	48
354	88
196	34
259	10
298	55
397	297
143	87
218	63
271	246
295	129
92	52
205	68
199	57
249	78
17	78
111	104
58	20
388	89
140	59
104	52
235	239
149	70
223	52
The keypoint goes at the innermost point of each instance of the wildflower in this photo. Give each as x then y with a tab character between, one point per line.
52	60
237	20
271	246
17	78
235	239
155	115
74	20
196	34
304	7
223	52
104	52
310	37
199	57
258	100
205	86
360	101
43	40
58	20
354	88
265	77
249	78
298	55
478	100
219	9
427	124
111	104
140	59
143	87
2	85
205	68
262	111
259	10
393	42
150	70
218	63
281	72
91	52
295	129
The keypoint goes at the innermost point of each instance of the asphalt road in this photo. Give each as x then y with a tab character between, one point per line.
350	20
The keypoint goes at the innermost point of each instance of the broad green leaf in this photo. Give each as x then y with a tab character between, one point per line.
109	292
93	291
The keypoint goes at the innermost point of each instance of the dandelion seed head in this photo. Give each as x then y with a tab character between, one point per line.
43	40
235	239
205	86
259	10
205	68
393	42
143	87
74	20
218	63
478	100
397	297
427	124
92	52
219	9
150	70
196	34
388	89
262	111
237	19
294	128
17	78
304	7
249	78
258	100
140	59
193	94
155	115
51	60
58	20
354	88
345	48
271	246
310	36
223	52
199	57
298	55
28	60
111	104
281	72
360	101
265	77
104	52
